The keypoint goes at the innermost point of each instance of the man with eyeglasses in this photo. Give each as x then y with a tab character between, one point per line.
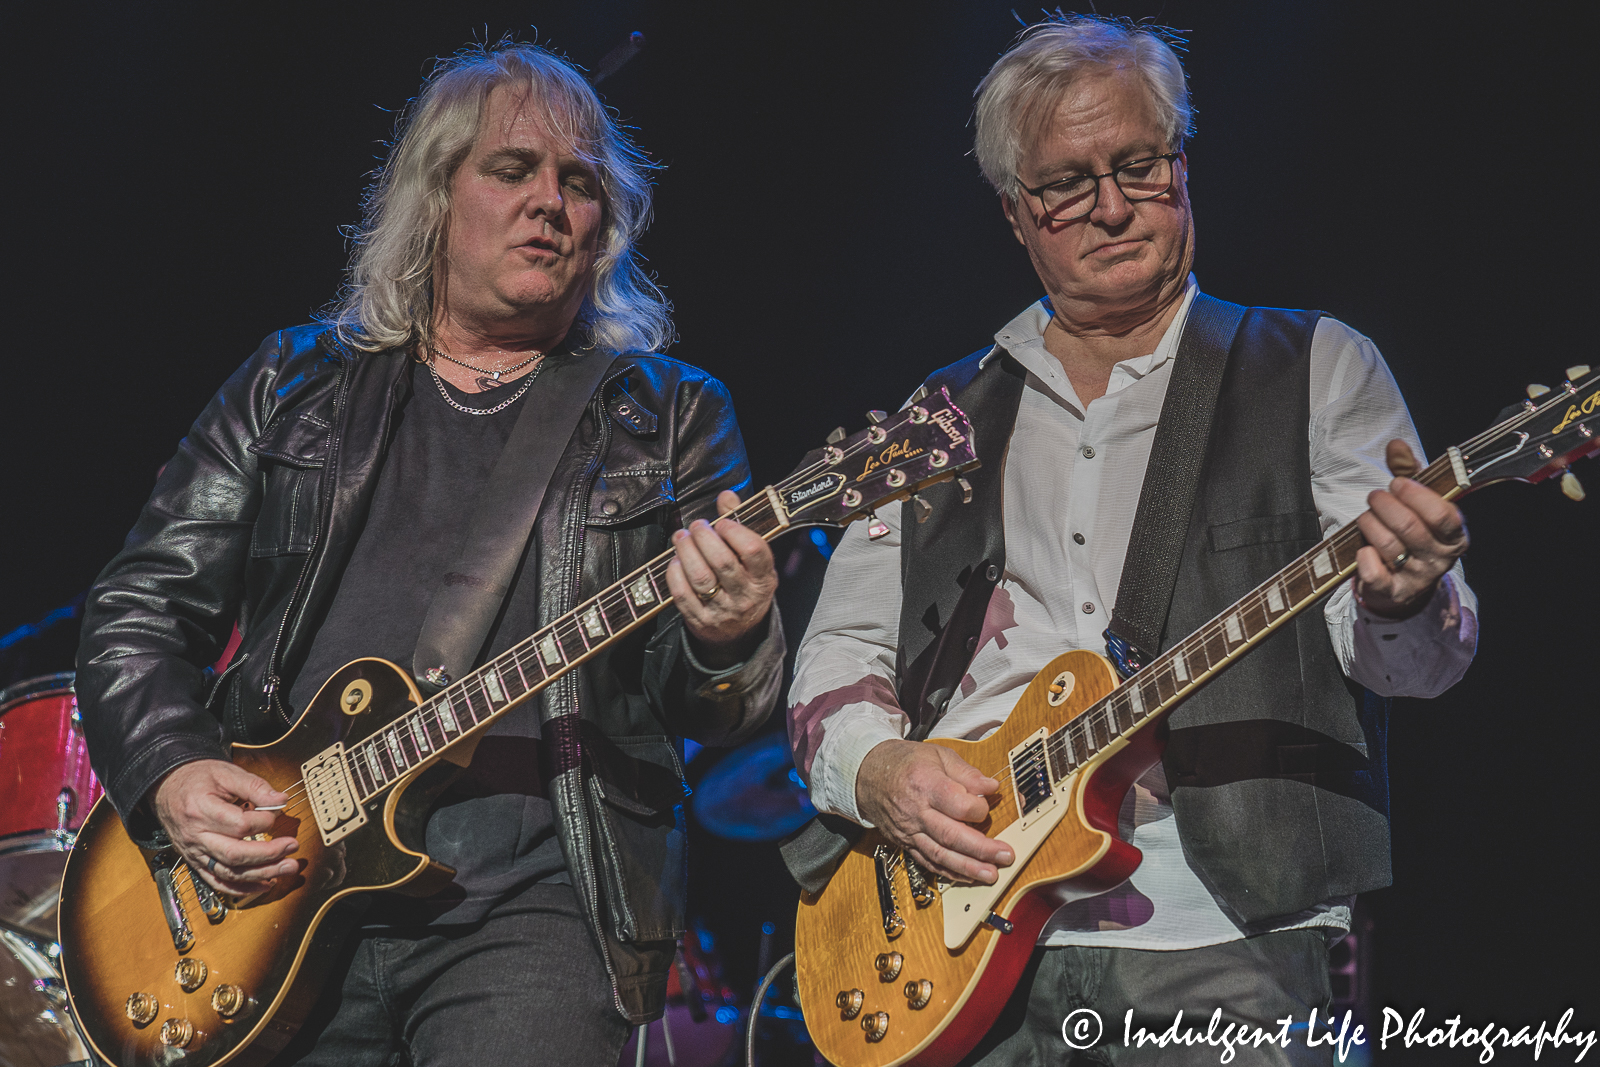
1268	811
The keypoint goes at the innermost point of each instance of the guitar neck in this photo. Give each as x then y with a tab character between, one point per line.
1180	670
464	707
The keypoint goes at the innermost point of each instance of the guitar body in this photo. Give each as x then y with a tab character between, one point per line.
116	940
840	933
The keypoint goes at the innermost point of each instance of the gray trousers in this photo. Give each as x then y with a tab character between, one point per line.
1255	982
523	987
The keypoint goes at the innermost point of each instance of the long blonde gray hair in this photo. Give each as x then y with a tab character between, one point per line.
388	298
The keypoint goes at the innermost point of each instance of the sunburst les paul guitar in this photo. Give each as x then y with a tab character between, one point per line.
161	971
895	967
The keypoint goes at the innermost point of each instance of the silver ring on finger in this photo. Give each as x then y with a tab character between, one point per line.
1399	561
211	865
709	595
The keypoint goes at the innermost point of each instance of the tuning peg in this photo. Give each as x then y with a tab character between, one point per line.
875	416
922	508
1535	391
1578	371
1572	487
837	435
876	527
966	489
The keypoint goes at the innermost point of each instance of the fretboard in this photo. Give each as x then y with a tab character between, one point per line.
390	753
1181	669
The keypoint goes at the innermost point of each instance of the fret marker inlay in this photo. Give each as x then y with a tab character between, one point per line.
1231	625
1274	598
549	651
447	716
641	592
1179	671
394	748
491	682
420	734
1321	566
592	623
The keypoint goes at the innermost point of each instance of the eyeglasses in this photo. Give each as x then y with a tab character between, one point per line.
1074	197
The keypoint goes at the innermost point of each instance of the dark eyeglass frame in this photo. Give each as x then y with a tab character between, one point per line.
1113	174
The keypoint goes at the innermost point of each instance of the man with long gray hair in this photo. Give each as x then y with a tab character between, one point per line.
478	438
1133	427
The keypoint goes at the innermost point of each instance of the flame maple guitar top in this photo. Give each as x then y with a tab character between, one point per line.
840	932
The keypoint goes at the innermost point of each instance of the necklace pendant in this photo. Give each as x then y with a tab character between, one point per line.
495	375
487	384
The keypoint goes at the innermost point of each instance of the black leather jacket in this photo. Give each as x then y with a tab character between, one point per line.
272	484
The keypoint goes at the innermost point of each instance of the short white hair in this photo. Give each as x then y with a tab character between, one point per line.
1026	84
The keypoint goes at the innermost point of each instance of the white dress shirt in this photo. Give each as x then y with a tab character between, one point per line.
1073	473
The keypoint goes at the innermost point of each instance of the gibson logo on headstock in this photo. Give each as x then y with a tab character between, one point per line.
945	419
813	491
1586	406
894	451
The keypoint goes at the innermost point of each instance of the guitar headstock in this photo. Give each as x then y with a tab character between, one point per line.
928	442
1538	438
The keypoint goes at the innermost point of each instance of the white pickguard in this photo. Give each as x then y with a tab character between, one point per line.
967	906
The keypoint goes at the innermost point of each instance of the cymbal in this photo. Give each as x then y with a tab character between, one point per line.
754	793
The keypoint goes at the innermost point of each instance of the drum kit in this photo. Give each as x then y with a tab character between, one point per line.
46	789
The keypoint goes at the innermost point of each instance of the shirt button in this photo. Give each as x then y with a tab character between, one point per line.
611	507
1088	608
1078	538
1088	451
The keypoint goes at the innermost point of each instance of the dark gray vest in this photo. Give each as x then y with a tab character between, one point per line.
1276	767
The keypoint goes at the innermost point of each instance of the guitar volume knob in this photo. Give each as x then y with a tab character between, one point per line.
918	993
176	1033
190	973
888	965
228	1000
850	1001
876	1025
142	1008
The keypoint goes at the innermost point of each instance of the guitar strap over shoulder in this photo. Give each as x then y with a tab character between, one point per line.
1171	483
475	587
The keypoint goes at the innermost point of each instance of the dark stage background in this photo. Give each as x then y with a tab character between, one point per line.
179	173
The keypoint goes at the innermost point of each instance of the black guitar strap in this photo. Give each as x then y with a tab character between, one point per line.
1171	483
465	606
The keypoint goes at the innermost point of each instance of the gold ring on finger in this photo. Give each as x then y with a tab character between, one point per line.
710	594
1399	561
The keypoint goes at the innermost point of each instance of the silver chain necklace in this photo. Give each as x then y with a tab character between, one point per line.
512	399
493	380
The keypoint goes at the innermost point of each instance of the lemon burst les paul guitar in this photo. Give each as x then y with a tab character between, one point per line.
161	971
895	968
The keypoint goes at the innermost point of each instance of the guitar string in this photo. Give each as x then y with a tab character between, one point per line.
562	629
1079	728
522	654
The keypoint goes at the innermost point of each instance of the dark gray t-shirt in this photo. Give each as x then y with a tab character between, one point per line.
492	826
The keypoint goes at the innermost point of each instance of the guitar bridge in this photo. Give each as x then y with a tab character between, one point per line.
887	861
332	793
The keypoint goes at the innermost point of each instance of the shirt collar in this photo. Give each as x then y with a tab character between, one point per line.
1023	338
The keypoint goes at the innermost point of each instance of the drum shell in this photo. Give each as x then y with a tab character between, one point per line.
46	790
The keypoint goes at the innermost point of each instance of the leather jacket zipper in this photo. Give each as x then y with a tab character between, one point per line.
579	517
271	684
